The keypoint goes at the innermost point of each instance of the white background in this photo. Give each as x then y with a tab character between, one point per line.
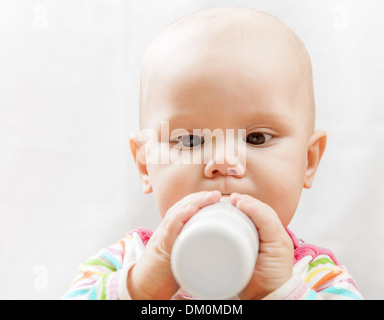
69	81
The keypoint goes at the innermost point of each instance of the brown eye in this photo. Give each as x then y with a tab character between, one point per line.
190	141
258	138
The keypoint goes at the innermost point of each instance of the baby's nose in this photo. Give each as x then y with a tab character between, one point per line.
224	166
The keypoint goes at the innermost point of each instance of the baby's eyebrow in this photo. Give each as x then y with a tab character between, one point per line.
182	120
272	117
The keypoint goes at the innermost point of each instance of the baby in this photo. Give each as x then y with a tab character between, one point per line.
223	69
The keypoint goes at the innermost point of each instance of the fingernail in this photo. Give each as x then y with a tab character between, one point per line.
234	198
216	193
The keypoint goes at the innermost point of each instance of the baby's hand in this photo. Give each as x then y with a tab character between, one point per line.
275	260
152	278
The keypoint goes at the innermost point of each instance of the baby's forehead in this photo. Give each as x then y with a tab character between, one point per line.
215	28
216	37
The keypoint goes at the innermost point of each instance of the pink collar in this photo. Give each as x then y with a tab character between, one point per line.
302	249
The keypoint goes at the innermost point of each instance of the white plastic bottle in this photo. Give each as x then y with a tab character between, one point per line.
215	253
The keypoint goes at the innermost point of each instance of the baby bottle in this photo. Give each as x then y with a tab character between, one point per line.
215	254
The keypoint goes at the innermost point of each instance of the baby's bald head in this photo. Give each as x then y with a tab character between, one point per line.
221	41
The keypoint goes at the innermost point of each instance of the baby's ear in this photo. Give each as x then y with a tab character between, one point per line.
138	153
316	148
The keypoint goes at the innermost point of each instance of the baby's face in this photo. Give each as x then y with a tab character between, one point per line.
250	96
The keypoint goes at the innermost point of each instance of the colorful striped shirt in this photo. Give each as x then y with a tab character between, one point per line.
316	273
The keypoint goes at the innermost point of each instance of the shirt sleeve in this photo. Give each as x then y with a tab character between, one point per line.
104	276
320	279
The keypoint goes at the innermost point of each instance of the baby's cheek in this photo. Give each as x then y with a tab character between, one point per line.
286	204
280	190
171	183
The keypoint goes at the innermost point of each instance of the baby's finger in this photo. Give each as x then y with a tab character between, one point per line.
182	211
198	199
179	214
263	216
